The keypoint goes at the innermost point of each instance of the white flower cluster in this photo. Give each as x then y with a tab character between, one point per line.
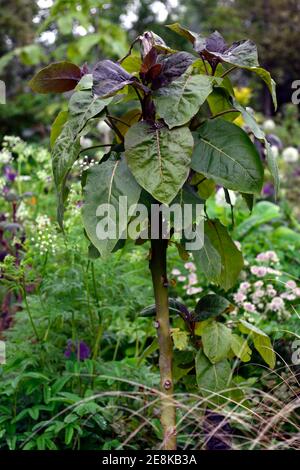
5	156
84	163
191	287
259	298
45	237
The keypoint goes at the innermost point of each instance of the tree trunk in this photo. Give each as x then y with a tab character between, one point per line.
158	264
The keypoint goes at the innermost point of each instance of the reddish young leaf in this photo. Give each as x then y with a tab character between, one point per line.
56	78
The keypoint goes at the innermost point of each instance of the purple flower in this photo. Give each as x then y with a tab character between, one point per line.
77	349
9	174
268	190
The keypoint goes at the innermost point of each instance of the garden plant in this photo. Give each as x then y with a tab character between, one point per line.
174	141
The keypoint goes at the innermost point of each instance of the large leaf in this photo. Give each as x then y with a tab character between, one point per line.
225	153
240	348
57	126
109	77
212	378
172	67
210	306
261	341
260	135
56	78
266	77
186	33
240	53
159	158
219	101
216	340
263	212
272	165
82	107
178	102
208	260
231	258
105	184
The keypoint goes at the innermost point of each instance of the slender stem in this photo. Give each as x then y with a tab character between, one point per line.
228	71
95	147
221	113
114	118
158	267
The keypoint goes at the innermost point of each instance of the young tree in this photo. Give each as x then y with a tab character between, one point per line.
177	141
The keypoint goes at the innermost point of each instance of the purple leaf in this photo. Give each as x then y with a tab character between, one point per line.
109	77
216	43
215	50
173	66
56	78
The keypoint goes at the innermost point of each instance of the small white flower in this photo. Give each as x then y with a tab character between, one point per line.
291	284
103	128
181	278
244	286
290	155
249	307
190	266
276	304
221	200
275	151
194	290
259	271
239	297
176	272
85	142
258	284
269	125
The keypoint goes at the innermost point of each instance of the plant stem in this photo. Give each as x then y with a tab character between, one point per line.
158	267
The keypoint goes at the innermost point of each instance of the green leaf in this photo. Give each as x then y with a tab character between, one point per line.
272	165
212	378
249	120
231	258
83	106
57	126
225	153
56	78
210	305
104	185
266	77
216	339
180	338
219	101
249	199
205	187
261	341
186	33
159	158
262	213
240	348
259	134
178	102
208	260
